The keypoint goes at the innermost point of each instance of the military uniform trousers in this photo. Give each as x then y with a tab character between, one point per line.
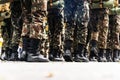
113	35
7	31
16	19
56	26
99	25
76	30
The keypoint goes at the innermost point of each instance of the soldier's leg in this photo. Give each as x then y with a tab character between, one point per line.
103	33
5	47
7	35
33	29
94	35
69	29
31	46
25	46
42	47
87	48
44	44
115	37
55	27
32	54
110	39
68	43
81	32
82	19
36	37
16	20
46	47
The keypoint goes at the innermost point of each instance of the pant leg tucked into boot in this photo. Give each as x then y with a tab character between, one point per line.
79	54
32	55
101	55
67	51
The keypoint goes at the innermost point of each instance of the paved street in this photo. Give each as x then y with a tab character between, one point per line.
59	71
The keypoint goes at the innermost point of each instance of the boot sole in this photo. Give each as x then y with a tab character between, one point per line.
37	60
59	60
67	58
81	60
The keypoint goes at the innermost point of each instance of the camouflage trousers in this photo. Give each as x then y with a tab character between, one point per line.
113	32
33	25
56	26
77	30
77	34
7	34
36	29
16	12
44	45
99	25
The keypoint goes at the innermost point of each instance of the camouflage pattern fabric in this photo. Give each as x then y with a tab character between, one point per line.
99	25
16	12
82	11
113	35
7	33
69	12
56	24
44	45
82	19
35	22
4	11
34	14
77	18
5	25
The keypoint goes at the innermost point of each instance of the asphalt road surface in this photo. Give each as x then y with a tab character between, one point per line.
59	71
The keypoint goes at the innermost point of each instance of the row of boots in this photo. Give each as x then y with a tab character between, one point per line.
30	52
103	55
80	54
94	54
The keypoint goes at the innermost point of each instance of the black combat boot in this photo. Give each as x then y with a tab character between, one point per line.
55	54
67	51
5	55
32	55
109	55
14	54
79	54
25	45
102	56
115	55
93	51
